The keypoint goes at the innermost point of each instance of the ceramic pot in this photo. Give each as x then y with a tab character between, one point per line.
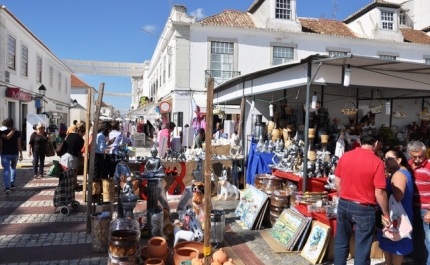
220	255
280	198
229	262
216	262
144	253
157	247
166	256
312	156
276	115
276	134
184	253
190	244
276	209
312	132
154	261
324	139
270	126
273	218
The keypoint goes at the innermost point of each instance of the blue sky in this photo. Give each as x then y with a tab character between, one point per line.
109	30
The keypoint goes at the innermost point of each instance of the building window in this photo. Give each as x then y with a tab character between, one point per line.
337	53
282	55
387	57
164	69
59	81
11	50
24	61
283	9
39	70
427	60
169	69
222	61
65	84
387	19
51	76
402	19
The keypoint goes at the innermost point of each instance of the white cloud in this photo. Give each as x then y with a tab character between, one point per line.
198	13
150	28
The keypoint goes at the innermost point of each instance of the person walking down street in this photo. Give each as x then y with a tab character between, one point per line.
115	136
72	127
75	142
37	149
421	202
200	138
11	153
400	184
63	130
360	184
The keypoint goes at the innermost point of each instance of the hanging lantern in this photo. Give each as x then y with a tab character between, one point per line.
387	107
253	104
271	109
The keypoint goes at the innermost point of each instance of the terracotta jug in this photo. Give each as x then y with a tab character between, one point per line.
229	262
157	247
220	255
184	253
270	126
154	261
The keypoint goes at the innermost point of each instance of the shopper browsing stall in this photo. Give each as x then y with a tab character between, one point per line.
421	202
200	138
37	149
360	183
400	185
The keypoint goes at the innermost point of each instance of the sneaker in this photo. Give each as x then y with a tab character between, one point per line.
12	187
7	191
40	176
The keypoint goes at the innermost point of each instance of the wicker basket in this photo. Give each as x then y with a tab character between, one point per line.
424	115
375	109
399	113
349	110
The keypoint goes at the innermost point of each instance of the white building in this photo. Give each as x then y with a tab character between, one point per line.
234	43
27	65
80	94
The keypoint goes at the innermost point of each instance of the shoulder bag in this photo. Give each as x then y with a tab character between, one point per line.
49	149
62	148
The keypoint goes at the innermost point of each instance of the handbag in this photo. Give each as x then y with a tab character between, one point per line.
401	226
62	148
55	170
49	149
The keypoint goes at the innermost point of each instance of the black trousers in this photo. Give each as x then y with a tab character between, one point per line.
100	167
112	162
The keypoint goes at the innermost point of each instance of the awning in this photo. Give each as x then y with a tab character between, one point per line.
148	111
201	101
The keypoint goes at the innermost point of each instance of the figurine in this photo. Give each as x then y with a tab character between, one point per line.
153	166
223	173
128	189
227	188
340	146
181	234
260	145
198	189
236	149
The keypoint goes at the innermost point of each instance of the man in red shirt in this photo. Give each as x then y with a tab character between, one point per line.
360	184
421	203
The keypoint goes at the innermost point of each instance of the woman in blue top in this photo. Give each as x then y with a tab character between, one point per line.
400	185
115	135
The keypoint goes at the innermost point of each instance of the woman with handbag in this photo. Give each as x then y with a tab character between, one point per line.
11	148
400	184
37	149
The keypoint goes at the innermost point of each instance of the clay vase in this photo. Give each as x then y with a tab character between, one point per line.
229	262
184	253
144	253
270	126
154	261
220	255
324	139
311	132
276	134
312	156
157	247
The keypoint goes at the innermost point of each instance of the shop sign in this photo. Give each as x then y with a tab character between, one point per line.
16	93
58	107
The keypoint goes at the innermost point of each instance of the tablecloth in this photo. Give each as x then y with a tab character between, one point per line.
257	163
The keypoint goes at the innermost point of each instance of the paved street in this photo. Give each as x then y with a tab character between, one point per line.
31	233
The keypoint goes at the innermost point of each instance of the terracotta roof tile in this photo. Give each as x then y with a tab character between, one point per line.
415	36
229	18
325	26
76	82
369	7
104	105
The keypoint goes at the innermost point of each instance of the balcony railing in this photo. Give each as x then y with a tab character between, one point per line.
220	76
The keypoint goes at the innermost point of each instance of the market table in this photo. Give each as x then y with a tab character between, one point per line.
258	163
312	184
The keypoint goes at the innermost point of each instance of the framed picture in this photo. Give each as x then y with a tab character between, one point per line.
250	206
288	227
316	244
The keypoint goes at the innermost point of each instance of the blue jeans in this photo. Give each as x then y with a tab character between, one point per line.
421	238
351	214
36	158
8	162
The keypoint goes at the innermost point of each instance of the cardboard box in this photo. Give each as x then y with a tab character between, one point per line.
375	252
